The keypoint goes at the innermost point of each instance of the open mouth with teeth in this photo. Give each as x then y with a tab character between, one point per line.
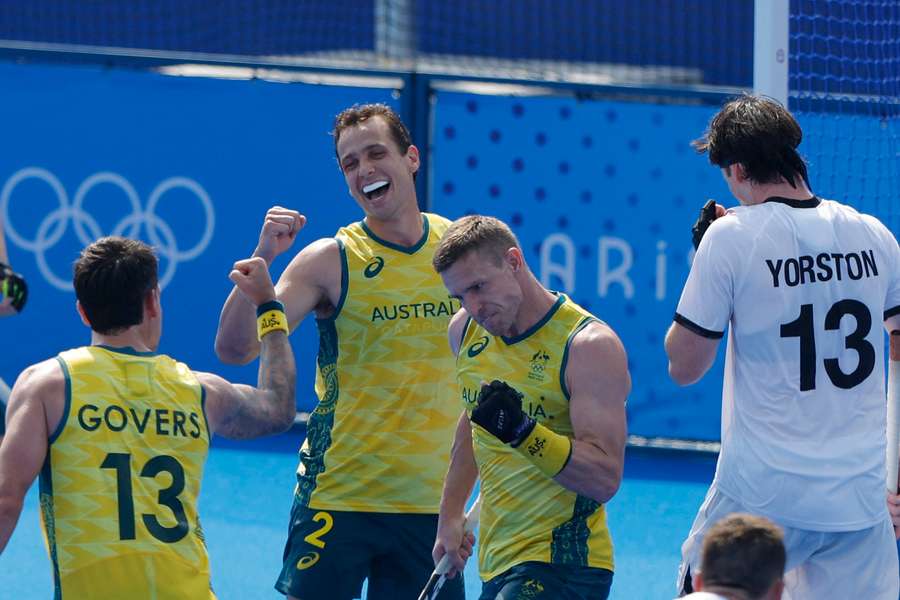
376	189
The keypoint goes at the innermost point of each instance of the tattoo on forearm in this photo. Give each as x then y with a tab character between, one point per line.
269	408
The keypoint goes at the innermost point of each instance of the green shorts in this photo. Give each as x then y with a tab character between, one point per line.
543	581
328	554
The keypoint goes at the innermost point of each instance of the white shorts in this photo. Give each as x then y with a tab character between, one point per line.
820	565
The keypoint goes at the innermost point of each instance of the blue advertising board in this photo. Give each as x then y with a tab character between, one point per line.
187	164
602	196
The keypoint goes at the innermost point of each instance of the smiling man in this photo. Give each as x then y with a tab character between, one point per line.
377	446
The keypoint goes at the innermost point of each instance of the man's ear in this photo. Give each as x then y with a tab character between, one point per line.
82	314
412	156
152	306
514	259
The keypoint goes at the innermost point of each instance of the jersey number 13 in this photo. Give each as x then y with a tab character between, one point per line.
802	327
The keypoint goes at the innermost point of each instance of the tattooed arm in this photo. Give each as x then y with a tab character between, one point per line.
240	411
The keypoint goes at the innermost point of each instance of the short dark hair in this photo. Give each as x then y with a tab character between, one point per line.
358	113
744	552
759	133
475	232
112	277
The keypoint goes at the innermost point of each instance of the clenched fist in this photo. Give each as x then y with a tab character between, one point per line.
279	230
251	276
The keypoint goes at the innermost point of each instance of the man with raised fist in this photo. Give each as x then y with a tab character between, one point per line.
546	436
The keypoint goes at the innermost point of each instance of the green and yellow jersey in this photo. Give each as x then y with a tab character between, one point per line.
119	486
379	439
526	516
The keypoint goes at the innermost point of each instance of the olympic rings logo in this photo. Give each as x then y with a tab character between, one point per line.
54	225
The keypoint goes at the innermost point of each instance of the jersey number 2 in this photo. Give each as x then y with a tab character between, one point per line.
168	497
802	327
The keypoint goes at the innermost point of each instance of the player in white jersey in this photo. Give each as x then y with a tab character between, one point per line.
803	284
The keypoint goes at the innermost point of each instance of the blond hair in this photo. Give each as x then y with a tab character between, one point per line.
476	232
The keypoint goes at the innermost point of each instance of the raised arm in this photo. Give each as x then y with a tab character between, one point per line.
312	280
598	381
36	403
242	411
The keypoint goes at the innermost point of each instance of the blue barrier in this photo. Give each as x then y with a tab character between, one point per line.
187	164
602	196
601	193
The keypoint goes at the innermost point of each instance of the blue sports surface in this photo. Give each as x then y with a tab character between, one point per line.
246	498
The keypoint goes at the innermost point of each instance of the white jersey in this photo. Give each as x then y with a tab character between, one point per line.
805	286
704	596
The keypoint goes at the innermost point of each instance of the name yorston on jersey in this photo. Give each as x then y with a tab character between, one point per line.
823	267
415	310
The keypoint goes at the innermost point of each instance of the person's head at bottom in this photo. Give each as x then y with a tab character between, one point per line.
743	559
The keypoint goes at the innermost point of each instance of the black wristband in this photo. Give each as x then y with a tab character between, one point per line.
267	306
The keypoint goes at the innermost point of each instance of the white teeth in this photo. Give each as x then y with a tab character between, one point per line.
374	186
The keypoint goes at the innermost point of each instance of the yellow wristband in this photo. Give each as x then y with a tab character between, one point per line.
269	321
548	450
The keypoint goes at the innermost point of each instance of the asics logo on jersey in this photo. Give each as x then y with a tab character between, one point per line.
374	267
477	348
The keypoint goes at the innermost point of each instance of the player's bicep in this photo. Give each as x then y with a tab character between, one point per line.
691	352
312	280
598	383
25	444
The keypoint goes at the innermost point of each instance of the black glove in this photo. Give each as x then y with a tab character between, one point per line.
499	411
707	216
12	285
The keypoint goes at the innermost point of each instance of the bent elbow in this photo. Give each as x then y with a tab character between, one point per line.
231	354
11	507
684	374
606	490
287	420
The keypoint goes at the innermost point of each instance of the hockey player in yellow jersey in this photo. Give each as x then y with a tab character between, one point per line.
119	433
378	442
546	436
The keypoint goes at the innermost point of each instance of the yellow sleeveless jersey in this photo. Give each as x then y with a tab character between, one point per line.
120	482
379	439
526	516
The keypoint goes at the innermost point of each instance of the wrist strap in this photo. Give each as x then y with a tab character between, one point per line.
267	306
270	317
548	450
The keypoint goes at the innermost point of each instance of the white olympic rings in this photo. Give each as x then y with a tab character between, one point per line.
53	226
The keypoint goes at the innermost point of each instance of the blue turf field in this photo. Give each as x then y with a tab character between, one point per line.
246	497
